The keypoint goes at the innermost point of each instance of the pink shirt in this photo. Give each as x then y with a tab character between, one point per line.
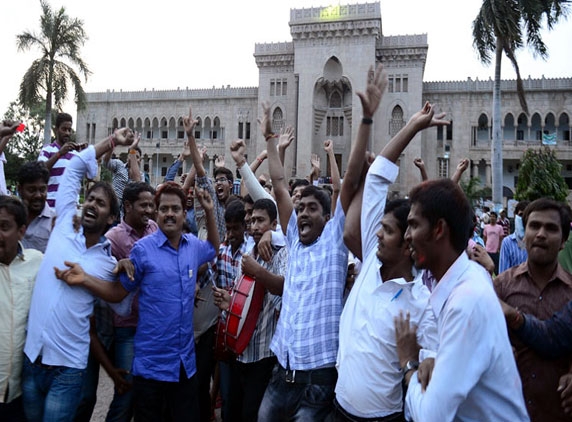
493	236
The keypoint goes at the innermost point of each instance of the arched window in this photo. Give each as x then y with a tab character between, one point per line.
396	122
336	100
564	127
277	120
522	127
483	132
509	130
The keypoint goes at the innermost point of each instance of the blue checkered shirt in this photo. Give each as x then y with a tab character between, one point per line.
511	254
307	334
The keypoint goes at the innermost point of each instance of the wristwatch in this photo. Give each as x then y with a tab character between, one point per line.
411	365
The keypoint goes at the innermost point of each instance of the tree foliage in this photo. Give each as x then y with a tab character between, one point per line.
540	176
47	79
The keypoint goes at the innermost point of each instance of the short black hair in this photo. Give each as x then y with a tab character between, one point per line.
542	204
298	182
444	199
171	188
226	172
32	171
234	212
16	208
133	189
62	118
110	193
521	206
248	199
267	205
400	209
321	195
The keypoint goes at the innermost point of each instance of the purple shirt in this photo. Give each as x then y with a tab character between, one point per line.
166	280
122	238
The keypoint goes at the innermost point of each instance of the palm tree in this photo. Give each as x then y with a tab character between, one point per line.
59	40
501	27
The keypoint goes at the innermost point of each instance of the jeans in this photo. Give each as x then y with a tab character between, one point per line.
295	401
121	408
88	390
175	400
50	393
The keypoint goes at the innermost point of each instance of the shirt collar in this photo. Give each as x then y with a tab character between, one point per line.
448	282
558	274
161	239
47	212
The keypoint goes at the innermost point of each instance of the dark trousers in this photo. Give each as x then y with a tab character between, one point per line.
177	400
13	411
205	368
340	415
246	384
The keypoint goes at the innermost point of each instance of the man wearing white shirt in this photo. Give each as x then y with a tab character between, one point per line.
370	378
475	376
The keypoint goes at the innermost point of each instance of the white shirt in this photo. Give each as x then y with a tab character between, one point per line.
475	376
369	373
58	325
16	285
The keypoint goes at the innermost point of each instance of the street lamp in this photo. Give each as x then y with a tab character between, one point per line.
158	145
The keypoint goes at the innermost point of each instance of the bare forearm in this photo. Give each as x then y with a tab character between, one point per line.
4	142
196	157
109	291
134	171
397	144
276	169
190	179
212	231
272	282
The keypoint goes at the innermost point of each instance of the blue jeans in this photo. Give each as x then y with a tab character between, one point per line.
121	408
50	393
295	402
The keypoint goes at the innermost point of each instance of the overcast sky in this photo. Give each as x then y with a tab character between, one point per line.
199	44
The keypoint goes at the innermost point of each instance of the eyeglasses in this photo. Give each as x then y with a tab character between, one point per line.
221	180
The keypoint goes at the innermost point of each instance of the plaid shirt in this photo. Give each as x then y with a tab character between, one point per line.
205	183
308	328
259	346
228	265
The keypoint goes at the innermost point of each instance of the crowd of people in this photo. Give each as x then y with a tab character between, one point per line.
283	299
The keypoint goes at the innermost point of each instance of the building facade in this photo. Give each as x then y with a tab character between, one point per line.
311	84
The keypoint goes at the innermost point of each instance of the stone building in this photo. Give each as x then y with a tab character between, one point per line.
311	84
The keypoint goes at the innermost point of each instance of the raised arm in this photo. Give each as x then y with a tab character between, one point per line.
421	166
461	168
286	138
251	185
370	99
208	206
283	200
7	130
315	173
189	123
258	161
134	172
336	184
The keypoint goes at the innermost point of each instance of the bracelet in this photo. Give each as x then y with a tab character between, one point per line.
111	142
259	160
367	120
132	151
59	155
270	136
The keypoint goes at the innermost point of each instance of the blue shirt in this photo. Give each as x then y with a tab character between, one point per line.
551	338
166	278
511	254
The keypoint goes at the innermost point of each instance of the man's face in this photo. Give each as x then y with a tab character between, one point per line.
311	220
63	132
190	198
419	237
10	234
138	213
34	195
503	215
235	233
222	187
248	217
543	237
170	215
493	219
297	194
391	246
96	213
261	223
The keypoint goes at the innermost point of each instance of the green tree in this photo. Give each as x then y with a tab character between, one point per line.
540	176
47	79
502	26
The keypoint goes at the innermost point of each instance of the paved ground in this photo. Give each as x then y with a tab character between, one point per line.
104	396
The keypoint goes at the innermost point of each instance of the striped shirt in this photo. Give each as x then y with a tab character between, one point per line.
259	346
205	183
57	171
511	253
307	333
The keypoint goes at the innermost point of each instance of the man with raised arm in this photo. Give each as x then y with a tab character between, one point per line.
306	338
57	344
370	376
164	267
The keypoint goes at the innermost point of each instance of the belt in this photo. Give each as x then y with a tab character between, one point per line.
38	362
394	417
323	376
